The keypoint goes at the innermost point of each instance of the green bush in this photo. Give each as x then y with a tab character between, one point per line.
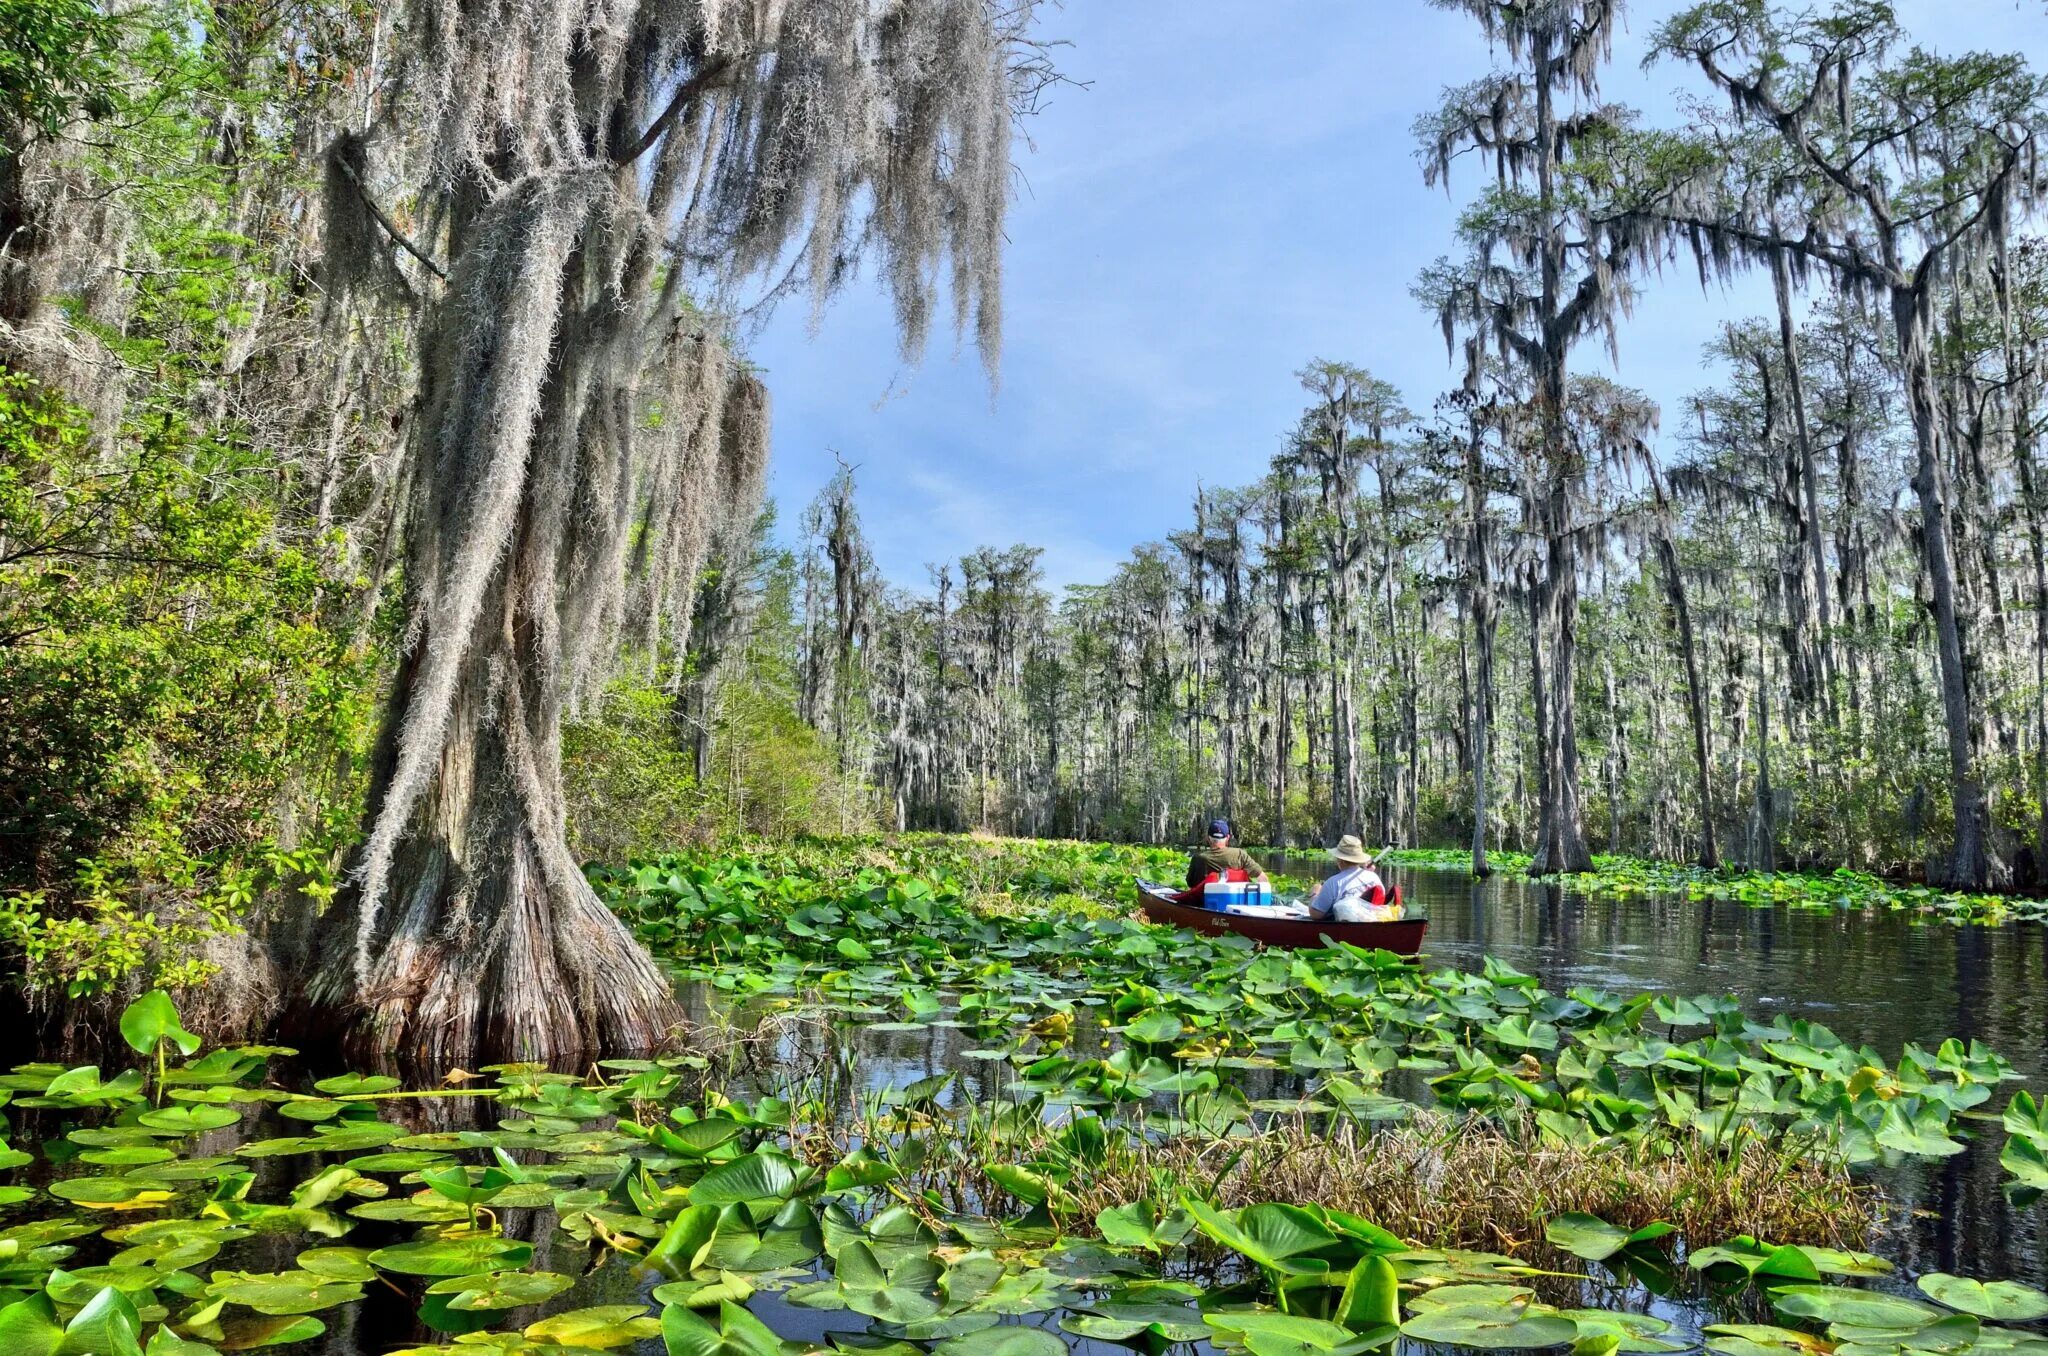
631	789
772	776
170	678
54	59
632	786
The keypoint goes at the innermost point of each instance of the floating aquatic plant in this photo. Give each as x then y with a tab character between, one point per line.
1184	1010
1123	1186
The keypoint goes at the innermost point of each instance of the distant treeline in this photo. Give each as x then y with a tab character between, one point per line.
1799	620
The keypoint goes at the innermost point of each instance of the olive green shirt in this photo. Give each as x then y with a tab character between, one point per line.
1209	860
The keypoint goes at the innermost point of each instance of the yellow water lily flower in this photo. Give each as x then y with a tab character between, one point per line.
1060	1024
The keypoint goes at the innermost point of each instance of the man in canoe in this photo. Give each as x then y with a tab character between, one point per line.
1218	861
1356	894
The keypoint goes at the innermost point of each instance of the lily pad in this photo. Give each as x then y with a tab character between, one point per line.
896	1294
1155	1026
1845	1304
189	1118
452	1256
301	1292
1278	1238
1264	1333
601	1327
1005	1341
738	1333
2001	1301
339	1264
1491	1326
106	1192
267	1330
151	1019
1596	1240
703	1292
501	1289
356	1085
759	1176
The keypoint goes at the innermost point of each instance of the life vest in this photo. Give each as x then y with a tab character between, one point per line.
1388	898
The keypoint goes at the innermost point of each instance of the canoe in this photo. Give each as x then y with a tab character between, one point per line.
1403	936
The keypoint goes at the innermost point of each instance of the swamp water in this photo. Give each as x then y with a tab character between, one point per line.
1876	979
1882	979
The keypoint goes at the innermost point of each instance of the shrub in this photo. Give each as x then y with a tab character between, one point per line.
631	788
170	677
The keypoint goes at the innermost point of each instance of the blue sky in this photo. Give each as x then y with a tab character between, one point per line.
1233	194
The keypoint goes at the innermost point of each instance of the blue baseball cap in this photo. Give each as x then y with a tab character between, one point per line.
1219	828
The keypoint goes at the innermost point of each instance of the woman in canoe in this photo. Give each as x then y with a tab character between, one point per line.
1356	894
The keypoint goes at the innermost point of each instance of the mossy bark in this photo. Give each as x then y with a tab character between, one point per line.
490	945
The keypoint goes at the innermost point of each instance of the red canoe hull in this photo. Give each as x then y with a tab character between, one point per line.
1403	937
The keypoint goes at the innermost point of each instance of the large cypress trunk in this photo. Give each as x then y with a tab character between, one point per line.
490	945
467	932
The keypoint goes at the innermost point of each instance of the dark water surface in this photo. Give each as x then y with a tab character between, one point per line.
1878	978
1881	979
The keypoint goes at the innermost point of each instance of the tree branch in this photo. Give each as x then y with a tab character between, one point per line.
713	74
1847	264
1588	293
1993	195
1791	126
391	227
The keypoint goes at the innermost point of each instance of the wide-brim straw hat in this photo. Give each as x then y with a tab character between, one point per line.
1351	852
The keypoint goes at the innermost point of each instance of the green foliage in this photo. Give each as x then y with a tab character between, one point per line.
167	672
55	59
774	776
185	664
632	788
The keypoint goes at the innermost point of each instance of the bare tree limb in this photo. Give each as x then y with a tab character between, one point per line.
712	75
399	237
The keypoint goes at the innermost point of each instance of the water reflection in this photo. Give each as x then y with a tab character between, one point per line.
1877	979
1880	979
1884	980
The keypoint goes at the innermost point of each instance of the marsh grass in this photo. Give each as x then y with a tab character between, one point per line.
1445	1183
789	1050
1436	1180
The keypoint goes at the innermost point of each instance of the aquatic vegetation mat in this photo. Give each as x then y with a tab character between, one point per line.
565	1214
1091	1011
1143	1138
536	1212
1830	890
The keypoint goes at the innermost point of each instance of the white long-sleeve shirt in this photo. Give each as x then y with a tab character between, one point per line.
1347	897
